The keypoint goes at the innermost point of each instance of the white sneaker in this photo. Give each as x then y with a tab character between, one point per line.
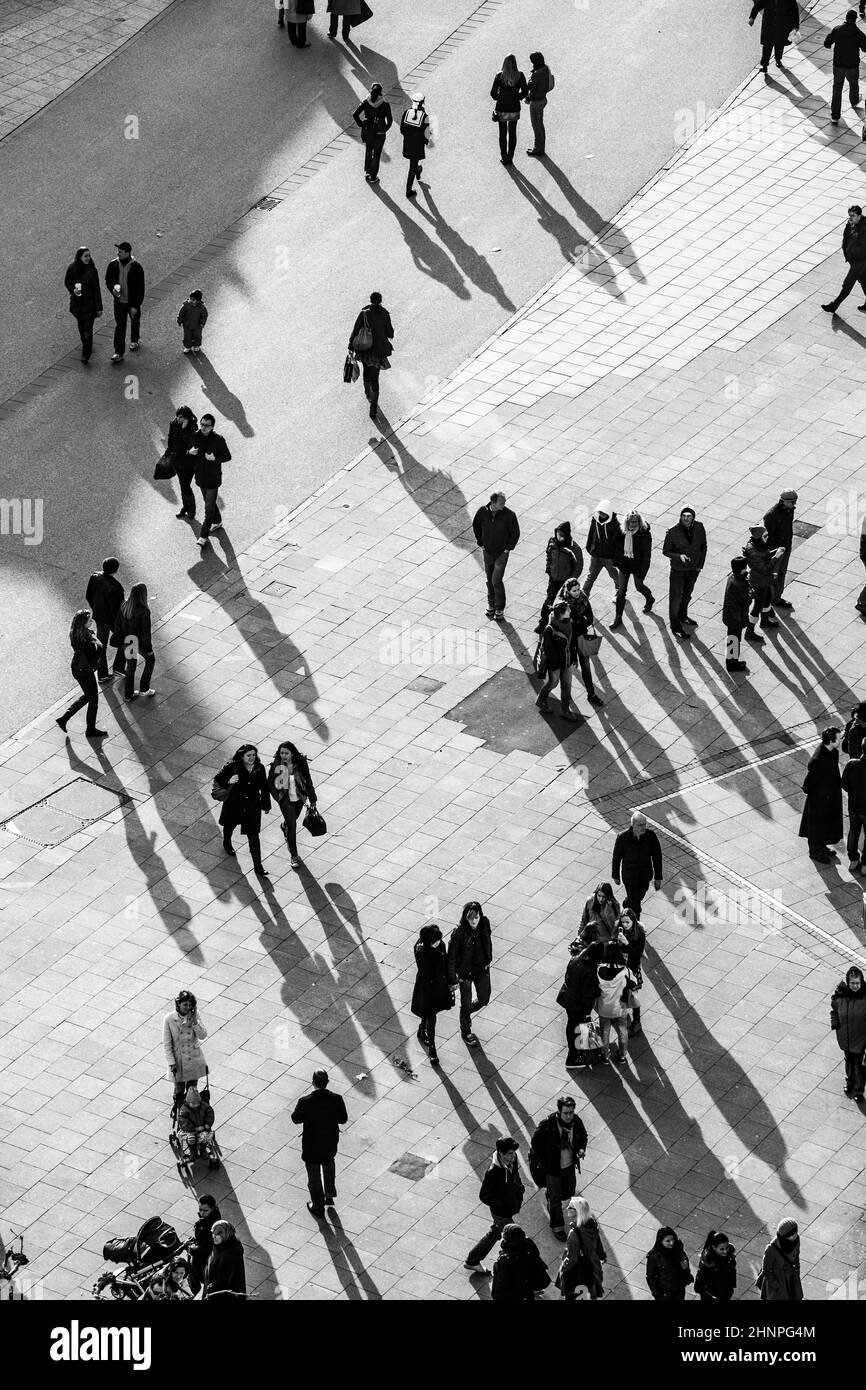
117	357
187	350
201	540
133	347
147	694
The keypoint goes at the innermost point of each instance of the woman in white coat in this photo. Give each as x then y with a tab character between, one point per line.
182	1031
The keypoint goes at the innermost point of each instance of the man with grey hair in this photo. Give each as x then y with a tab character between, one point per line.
497	532
321	1113
637	862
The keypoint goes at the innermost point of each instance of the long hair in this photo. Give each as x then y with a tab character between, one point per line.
667	1231
580	1210
136	602
79	630
188	415
606	892
510	74
467	908
78	264
285	743
238	758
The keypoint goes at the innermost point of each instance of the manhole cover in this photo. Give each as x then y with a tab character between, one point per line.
56	817
412	1166
805	529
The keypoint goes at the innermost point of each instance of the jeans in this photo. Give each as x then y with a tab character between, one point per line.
291	810
622	589
507	140
564	679
85	332
596	564
774	46
856	827
192	335
415	167
621	1025
332	27
321	1182
489	1239
373	147
482	992
585	672
90	698
122	312
856	274
636	888
103	632
559	1185
679	595
854	1073
536	115
146	673
494	570
212	513
187	496
840	77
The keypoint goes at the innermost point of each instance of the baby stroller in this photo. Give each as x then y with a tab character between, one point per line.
154	1266
192	1136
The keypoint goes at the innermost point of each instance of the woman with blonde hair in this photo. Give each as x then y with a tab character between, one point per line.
633	558
584	1254
508	91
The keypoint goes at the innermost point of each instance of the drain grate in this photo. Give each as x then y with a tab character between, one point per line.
62	814
805	529
412	1166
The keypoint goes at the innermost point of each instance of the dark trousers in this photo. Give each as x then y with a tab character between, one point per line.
146	673
636	888
774	46
371	382
840	77
192	332
856	275
679	595
482	992
559	1185
489	1239
553	588
373	147
622	589
103	632
507	139
90	698
297	34
253	840
212	513
733	638
536	115
121	314
321	1183
494	572
291	810
817	847
187	496
779	578
762	604
854	1073
427	1030
597	563
856	828
415	167
85	332
572	1020
332	27
861	602
585	672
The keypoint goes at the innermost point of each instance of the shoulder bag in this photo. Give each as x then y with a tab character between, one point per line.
164	469
363	339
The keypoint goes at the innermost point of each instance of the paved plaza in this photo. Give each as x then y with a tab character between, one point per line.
685	361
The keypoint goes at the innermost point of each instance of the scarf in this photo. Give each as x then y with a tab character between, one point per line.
628	548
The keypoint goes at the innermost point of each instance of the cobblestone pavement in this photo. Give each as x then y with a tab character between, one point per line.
45	47
691	365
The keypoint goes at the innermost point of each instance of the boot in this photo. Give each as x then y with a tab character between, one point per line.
634	1028
769	619
751	635
617	621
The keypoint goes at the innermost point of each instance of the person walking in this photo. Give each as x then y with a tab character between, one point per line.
432	993
415	129
600	917
502	1193
821	821
668	1274
345	10
181	433
578	995
779	18
637	862
519	1272
86	650
192	317
182	1033
716	1279
202	1240
685	545
373	347
854	786
470	952
583	1256
209	452
779	1279
635	945
124	279
583	631
85	297
537	89
558	1145
244	781
508	91
497	531
761	561
615	984
104	596
779	525
225	1272
563	560
320	1114
374	119
133	630
848	1021
847	43
854	251
633	559
604	542
556	645
298	14
735	613
290	783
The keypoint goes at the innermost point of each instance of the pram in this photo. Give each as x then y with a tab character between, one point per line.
190	1144
154	1266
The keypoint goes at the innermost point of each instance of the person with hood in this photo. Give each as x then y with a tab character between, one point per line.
133	630
667	1268
85	297
508	91
615	984
244	780
373	117
181	432
633	559
578	994
582	625
604	542
378	330
182	1033
635	945
105	595
716	1280
735	613
290	783
557	1146
779	1279
320	1113
584	1254
470	952
821	822
685	545
225	1272
762	563
497	531
637	862
192	317
519	1272
855	732
415	129
847	43
202	1239
848	1021
502	1192
432	993
345	9
854	252
540	83
854	785
563	560
209	452
779	525
86	651
600	917
556	646
779	18
124	279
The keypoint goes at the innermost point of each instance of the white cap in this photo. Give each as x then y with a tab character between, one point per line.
418	98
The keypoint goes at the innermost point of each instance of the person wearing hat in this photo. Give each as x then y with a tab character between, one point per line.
124	278
821	822
779	525
779	1279
502	1192
415	129
519	1272
762	562
854	785
558	1145
735	612
373	117
182	1032
432	993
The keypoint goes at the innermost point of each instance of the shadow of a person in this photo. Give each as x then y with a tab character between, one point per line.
616	242
352	1273
261	1276
471	262
434	491
224	401
427	256
573	246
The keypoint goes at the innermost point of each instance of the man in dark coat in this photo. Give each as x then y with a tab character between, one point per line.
502	1191
415	129
563	560
854	784
854	251
735	612
374	317
603	544
497	531
558	1145
103	597
821	822
321	1113
848	1021
202	1246
470	952
637	862
762	563
124	279
210	452
847	43
778	19
855	732
519	1273
686	547
779	525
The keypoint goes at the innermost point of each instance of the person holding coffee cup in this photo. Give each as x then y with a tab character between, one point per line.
124	279
85	297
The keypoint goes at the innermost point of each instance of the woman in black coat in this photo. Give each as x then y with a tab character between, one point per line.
180	437
579	992
716	1280
202	1246
246	782
508	91
375	319
86	648
290	783
634	552
778	19
132	630
667	1268
432	992
848	1021
85	297
225	1271
821	822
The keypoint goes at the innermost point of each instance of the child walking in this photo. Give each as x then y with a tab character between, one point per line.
192	318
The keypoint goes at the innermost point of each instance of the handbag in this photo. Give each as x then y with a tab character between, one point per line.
314	821
356	19
351	370
363	339
589	646
539	660
164	469
218	792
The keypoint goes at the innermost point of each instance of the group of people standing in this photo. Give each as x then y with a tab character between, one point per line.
116	620
821	823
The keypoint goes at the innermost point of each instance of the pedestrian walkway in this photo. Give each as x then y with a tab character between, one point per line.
690	364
